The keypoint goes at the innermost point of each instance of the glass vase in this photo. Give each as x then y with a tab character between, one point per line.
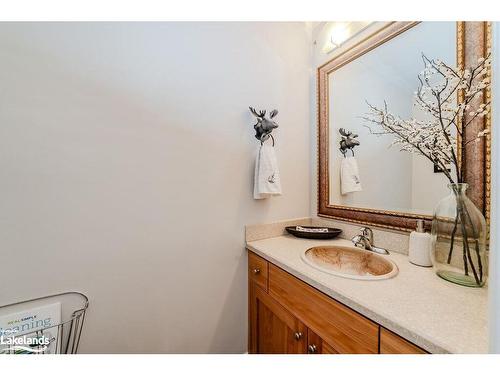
459	239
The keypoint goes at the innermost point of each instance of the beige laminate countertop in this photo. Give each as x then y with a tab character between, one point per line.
416	304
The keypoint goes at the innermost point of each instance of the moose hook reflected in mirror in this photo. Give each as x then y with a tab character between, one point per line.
348	141
264	126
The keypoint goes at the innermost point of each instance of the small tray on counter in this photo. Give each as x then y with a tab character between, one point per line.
327	234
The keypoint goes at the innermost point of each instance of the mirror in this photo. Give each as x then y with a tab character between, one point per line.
391	188
388	178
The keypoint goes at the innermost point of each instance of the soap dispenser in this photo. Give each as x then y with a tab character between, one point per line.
420	246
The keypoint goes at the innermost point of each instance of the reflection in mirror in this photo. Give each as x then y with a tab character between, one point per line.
385	178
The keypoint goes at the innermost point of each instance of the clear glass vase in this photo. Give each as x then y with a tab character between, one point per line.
459	239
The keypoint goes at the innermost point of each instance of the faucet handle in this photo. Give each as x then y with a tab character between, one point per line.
368	233
359	241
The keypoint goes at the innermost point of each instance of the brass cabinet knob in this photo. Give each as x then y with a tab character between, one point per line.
298	335
256	271
312	348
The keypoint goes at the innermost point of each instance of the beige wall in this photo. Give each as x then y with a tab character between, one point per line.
126	166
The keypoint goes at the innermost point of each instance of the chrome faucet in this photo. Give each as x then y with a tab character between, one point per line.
364	240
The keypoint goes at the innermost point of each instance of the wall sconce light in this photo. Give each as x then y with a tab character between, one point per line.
341	32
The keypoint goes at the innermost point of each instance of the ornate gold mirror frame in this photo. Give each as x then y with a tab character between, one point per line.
473	42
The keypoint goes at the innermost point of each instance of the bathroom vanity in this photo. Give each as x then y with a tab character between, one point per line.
289	316
296	308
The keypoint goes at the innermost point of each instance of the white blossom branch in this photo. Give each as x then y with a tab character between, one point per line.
437	95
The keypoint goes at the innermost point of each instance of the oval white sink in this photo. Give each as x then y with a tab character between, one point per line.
350	262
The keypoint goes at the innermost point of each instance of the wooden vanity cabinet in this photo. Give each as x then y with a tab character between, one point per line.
287	315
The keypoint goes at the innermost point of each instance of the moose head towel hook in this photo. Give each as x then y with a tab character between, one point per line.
348	141
264	126
349	171
267	180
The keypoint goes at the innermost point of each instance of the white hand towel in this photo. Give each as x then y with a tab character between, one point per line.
267	176
349	175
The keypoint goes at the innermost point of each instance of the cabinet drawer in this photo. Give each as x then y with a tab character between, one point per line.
342	328
390	343
258	269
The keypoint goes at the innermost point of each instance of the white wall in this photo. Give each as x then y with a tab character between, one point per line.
494	278
126	165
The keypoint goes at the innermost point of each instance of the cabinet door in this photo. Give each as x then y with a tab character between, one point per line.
273	330
316	345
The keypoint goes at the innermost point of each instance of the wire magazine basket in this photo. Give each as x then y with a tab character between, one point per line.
45	325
